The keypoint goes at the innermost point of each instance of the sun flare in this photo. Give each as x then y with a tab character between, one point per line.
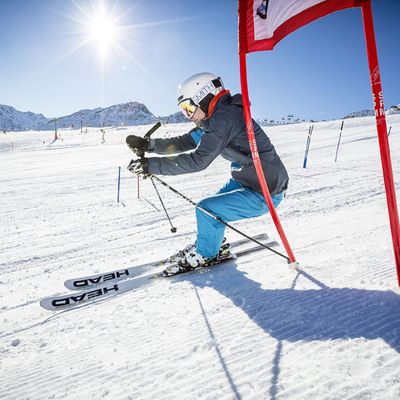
102	31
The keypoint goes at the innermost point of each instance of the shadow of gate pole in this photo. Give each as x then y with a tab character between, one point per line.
309	315
292	315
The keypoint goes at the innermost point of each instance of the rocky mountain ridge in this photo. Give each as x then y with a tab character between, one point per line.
125	114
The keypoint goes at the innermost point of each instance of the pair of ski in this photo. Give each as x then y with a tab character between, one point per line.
96	287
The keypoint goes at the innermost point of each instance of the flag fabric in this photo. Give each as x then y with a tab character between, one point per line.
263	23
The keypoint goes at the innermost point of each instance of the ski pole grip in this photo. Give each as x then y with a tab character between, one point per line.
152	130
139	152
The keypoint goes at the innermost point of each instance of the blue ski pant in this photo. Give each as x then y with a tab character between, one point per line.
231	203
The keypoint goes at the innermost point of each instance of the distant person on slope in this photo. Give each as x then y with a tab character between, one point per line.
220	130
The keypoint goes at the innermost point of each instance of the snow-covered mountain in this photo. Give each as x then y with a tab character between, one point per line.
176	118
125	114
362	113
129	114
393	109
14	120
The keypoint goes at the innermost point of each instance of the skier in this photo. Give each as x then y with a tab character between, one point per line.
220	130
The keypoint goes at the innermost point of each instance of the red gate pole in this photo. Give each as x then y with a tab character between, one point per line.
256	156
377	96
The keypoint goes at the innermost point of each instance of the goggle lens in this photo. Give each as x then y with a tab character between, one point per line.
187	107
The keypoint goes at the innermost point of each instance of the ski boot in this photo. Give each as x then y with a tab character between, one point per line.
180	255
192	260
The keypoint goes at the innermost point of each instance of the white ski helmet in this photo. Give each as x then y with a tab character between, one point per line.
198	91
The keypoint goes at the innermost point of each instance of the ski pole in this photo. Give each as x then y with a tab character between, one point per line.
147	136
141	154
173	229
152	130
209	213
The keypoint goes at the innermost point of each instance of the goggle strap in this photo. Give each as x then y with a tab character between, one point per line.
217	82
204	103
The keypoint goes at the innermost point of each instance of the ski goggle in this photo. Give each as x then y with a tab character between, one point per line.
188	107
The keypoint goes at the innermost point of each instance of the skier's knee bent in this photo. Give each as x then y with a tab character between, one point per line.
208	212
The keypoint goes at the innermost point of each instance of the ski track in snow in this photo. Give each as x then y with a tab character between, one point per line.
249	329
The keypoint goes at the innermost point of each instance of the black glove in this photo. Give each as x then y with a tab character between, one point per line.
139	167
138	144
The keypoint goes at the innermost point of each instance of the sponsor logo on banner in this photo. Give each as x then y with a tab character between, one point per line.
268	15
262	9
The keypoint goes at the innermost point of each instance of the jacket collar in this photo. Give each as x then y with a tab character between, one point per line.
214	101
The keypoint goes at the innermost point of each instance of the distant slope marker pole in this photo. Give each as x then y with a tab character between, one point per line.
310	131
55	130
338	143
119	183
390	128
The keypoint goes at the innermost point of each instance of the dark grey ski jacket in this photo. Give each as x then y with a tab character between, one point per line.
224	133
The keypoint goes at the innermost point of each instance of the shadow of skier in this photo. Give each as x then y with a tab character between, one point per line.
304	315
313	314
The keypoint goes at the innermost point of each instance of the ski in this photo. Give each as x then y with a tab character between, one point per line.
137	270
74	299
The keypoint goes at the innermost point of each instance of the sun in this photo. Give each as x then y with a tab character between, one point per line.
99	24
102	31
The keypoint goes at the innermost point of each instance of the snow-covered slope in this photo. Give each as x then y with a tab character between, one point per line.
252	329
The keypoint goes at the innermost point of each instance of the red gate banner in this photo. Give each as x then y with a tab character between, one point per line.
263	23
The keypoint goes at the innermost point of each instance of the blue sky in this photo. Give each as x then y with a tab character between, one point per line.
319	71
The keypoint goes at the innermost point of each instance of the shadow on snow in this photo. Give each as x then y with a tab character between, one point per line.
314	314
303	315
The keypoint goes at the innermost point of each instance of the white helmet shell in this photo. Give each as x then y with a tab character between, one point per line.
200	88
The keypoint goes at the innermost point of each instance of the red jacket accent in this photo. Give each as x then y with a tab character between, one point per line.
214	102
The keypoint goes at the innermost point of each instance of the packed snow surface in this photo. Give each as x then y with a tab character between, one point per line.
250	329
